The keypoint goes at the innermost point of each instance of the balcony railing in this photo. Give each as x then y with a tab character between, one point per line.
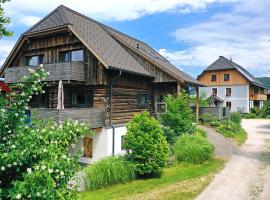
259	97
95	117
70	71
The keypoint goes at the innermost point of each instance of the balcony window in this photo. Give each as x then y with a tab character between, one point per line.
68	56
213	77
226	77
34	60
228	92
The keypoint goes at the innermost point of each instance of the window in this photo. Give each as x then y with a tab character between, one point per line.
228	92
229	105
40	101
82	98
122	142
213	77
67	56
214	91
34	60
77	55
226	77
142	100
88	147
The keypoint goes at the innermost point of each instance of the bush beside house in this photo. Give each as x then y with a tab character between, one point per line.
146	145
179	116
34	158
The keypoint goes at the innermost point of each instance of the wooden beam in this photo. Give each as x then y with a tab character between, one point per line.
197	104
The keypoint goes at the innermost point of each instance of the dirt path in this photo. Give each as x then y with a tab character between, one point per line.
247	173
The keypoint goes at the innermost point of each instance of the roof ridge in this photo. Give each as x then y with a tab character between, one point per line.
47	16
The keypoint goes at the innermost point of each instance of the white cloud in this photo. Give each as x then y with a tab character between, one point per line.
5	48
110	9
29	20
243	34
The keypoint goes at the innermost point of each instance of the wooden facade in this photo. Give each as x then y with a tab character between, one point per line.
91	76
236	78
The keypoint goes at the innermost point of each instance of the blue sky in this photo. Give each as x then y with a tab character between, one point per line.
190	33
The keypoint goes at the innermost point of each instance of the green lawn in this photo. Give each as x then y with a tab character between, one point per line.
182	181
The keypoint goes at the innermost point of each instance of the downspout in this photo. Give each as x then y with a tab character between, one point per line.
110	118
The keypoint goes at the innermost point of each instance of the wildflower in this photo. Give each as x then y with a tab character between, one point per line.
50	171
3	168
38	194
18	196
13	146
9	165
29	170
64	156
62	173
43	167
15	163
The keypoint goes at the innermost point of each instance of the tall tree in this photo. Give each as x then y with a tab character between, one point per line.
4	21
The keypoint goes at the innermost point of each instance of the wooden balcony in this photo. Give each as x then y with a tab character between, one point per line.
258	97
69	71
95	117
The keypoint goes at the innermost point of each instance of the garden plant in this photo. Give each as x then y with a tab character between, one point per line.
34	157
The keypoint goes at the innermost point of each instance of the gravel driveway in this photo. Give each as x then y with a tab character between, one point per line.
247	173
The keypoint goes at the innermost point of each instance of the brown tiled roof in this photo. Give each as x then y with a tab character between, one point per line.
104	42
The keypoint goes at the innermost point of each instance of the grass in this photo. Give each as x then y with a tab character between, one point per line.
181	181
241	137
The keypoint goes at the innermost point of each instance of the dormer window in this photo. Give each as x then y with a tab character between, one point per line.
69	56
34	60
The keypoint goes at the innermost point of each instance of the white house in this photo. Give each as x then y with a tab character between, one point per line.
232	86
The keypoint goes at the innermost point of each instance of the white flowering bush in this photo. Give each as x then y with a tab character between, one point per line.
34	158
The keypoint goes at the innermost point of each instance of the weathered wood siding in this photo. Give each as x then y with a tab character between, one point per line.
91	70
92	116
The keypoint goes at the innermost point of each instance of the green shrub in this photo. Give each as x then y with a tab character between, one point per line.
200	132
146	145
250	116
235	117
207	118
108	171
215	123
265	111
233	130
193	149
179	117
34	158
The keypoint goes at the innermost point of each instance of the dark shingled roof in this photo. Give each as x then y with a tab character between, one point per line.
105	43
223	63
265	81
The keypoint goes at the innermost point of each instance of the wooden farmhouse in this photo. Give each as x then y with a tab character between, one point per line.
107	76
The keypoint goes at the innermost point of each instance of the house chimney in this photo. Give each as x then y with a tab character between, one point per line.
138	46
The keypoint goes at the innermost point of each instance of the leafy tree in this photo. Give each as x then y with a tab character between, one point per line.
179	117
146	145
4	21
203	101
34	158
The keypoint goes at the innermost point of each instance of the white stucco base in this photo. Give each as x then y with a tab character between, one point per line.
102	144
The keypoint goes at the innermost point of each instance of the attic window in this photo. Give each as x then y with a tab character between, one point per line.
34	60
226	77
